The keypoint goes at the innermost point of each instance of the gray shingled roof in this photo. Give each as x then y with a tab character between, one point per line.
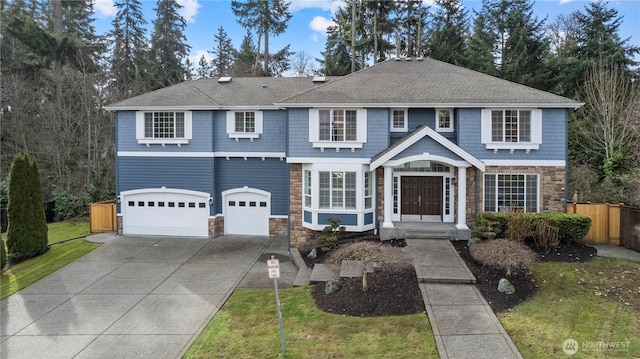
425	82
210	94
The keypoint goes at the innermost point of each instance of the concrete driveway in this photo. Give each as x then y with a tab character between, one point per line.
135	297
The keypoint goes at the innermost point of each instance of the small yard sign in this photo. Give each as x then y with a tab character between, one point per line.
274	273
274	268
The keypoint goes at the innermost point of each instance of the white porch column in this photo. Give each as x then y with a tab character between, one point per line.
461	222
388	197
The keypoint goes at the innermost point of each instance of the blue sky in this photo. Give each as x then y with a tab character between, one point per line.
306	29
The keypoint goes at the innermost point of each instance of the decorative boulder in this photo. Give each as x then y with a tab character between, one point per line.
331	286
313	254
504	286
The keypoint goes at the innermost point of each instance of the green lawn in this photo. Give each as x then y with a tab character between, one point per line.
247	327
593	303
59	255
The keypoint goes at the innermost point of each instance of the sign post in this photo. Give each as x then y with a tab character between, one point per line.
274	273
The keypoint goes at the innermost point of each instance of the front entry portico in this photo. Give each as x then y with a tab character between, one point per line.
421	198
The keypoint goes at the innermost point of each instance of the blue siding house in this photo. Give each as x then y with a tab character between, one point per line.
405	141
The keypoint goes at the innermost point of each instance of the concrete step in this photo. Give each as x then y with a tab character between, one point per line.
302	278
450	275
422	234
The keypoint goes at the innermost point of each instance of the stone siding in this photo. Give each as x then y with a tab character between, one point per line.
299	235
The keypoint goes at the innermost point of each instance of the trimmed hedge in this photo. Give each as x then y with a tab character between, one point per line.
570	226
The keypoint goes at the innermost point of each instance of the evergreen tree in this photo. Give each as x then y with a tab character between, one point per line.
204	68
168	45
267	17
337	59
479	52
412	20
224	54
3	255
245	62
129	47
381	25
597	43
27	231
448	33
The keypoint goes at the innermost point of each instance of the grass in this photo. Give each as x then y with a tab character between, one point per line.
247	327
593	303
59	255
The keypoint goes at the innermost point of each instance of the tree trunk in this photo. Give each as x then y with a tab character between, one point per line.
353	35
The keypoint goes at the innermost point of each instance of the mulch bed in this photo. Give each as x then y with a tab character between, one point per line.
397	293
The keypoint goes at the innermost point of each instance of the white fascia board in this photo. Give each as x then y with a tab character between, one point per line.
161	108
541	105
164	154
251	154
526	163
325	160
253	108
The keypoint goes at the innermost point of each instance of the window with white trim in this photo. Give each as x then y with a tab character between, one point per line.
307	188
337	190
444	120
399	120
368	190
244	124
163	127
337	128
508	192
512	129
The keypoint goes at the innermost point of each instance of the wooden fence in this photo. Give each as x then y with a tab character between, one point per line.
605	221
102	217
629	218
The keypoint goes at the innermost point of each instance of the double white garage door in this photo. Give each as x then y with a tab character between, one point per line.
175	212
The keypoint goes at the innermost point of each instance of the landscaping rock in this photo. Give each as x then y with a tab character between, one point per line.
331	286
504	286
313	254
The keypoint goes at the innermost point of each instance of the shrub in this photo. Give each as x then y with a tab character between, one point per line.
68	205
385	257
519	226
545	235
3	255
570	226
502	254
27	231
330	234
490	225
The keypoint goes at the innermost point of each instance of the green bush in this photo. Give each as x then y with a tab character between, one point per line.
27	231
68	205
330	234
502	254
3	255
570	226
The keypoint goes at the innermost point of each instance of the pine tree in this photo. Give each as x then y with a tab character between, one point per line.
380	25
224	54
479	53
412	20
337	58
168	45
27	231
204	68
597	43
267	17
448	32
245	62
129	47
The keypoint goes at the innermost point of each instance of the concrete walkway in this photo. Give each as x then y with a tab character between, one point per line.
462	321
134	297
606	250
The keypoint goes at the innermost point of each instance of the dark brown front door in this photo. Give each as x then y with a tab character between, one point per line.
421	196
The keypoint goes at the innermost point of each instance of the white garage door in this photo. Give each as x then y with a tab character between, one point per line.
165	212
246	211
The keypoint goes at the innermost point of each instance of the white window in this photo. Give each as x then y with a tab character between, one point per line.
512	129
507	192
368	190
163	127
399	120
444	120
337	190
337	128
244	124
307	188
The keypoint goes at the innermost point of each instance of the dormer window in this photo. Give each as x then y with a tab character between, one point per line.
444	120
244	124
163	127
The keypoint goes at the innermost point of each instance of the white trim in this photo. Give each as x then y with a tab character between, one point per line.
361	129
164	190
573	105
418	135
231	125
426	157
405	128
536	131
328	160
140	129
281	155
526	163
164	154
191	108
451	123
